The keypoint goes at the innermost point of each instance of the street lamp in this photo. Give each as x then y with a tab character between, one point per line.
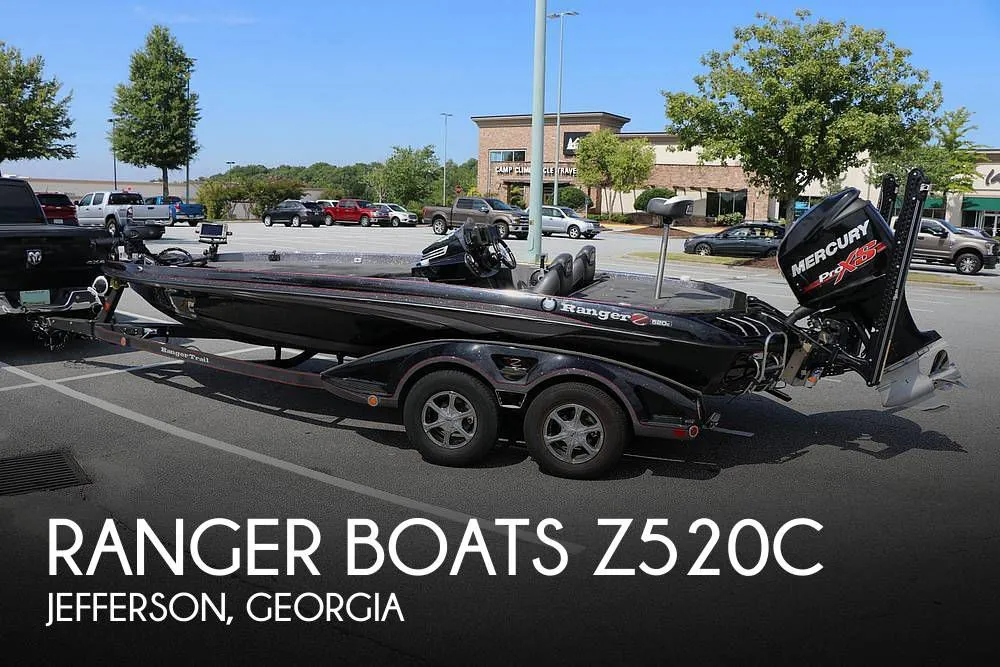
559	147
187	165
114	156
444	179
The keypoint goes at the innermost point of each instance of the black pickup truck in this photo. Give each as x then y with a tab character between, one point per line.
45	268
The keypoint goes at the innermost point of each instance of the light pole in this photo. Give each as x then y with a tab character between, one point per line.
537	137
444	179
114	156
187	164
559	147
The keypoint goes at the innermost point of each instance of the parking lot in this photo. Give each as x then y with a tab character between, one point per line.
908	501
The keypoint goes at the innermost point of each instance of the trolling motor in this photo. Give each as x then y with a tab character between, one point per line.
669	210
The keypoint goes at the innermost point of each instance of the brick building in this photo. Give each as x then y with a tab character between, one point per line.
505	163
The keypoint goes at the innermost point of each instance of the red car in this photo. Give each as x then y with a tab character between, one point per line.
58	208
357	210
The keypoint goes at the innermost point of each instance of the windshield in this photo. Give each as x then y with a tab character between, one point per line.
951	227
571	213
498	205
397	207
18	204
48	199
123	198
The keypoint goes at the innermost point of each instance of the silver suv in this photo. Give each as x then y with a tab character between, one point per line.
941	242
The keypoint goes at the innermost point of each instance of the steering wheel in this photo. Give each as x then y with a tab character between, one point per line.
504	254
178	257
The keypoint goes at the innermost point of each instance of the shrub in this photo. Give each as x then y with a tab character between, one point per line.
643	199
729	219
573	197
614	217
218	197
265	193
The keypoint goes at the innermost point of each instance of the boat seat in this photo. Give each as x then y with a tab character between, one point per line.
558	278
584	267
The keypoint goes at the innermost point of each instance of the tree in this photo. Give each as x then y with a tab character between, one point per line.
34	121
643	199
572	197
595	155
155	115
409	173
631	165
797	101
949	160
377	180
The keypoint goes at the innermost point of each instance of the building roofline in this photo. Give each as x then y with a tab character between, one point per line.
593	116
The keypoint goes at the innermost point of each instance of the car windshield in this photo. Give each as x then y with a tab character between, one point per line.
48	199
125	198
397	207
498	205
951	227
571	213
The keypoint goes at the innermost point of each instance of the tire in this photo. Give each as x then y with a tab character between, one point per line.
457	443
573	232
394	222
192	223
267	221
968	263
296	221
112	226
439	226
593	451
504	229
363	221
328	221
773	252
703	249
546	233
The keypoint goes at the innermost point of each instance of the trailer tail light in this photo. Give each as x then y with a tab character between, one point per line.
689	433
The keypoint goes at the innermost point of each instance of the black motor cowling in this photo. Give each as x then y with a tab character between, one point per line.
836	252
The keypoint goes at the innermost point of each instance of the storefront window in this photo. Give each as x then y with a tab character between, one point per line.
720	203
508	156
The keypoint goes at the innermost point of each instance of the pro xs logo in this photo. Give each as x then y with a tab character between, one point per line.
858	258
34	257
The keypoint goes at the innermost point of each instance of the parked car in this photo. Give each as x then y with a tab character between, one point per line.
756	239
360	211
117	211
44	268
398	215
938	243
295	213
58	208
179	211
564	220
509	221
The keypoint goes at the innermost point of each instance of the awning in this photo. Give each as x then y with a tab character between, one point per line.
981	203
932	202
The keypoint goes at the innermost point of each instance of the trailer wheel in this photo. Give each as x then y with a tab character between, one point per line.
575	430
451	417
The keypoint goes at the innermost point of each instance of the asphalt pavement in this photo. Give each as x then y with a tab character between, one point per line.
908	504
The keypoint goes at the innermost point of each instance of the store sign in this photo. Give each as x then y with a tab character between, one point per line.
571	140
524	169
992	178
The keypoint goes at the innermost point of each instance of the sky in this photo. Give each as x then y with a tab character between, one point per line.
304	81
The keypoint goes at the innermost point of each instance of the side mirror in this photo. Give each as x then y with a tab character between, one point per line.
76	202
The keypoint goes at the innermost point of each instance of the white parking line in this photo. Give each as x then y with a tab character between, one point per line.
128	369
294	468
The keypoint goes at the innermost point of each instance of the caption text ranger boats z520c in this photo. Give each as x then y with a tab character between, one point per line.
468	343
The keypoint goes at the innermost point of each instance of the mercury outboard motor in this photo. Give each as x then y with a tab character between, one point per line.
847	269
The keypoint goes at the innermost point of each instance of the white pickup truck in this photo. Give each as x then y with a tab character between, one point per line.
116	211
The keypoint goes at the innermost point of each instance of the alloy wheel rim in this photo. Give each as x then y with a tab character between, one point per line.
573	433
449	419
703	250
967	264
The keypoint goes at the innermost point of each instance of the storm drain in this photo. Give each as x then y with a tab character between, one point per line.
40	472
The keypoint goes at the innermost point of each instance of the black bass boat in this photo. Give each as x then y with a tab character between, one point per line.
462	334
